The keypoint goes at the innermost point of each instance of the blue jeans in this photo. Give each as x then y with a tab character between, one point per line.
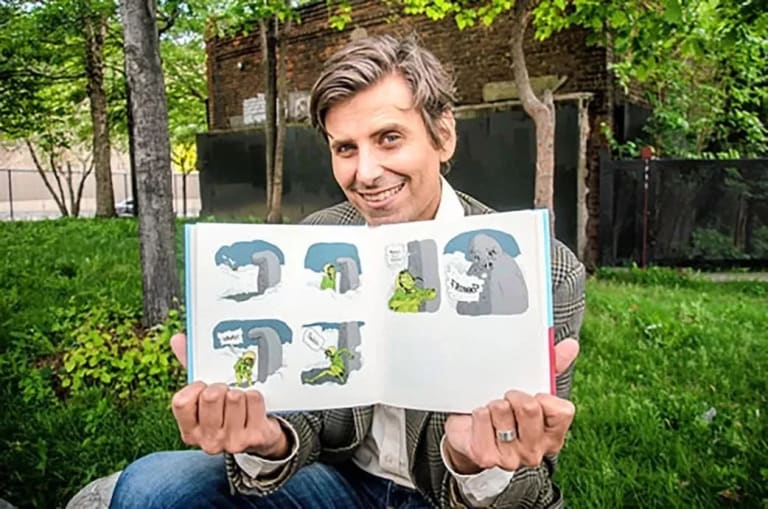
192	479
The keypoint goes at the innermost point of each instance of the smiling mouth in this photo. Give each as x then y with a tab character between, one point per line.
382	195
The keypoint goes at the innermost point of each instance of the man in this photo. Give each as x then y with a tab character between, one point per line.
384	107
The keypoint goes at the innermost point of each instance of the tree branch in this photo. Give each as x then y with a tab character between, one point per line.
41	171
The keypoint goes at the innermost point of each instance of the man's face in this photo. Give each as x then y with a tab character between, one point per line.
382	155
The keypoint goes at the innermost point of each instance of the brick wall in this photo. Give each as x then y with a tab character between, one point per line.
476	56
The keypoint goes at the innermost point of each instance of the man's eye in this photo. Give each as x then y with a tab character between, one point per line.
344	149
390	138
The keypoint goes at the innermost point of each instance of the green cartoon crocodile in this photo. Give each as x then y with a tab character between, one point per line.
329	277
408	297
337	368
244	369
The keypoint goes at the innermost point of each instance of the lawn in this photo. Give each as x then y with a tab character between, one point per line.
670	386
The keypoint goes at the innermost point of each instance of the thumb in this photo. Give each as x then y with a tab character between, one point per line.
566	352
179	347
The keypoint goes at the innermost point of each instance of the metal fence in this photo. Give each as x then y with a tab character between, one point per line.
23	194
697	213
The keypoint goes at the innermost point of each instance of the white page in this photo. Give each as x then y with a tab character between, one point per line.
224	308
446	361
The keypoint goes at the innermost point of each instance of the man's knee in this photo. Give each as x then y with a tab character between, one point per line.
170	479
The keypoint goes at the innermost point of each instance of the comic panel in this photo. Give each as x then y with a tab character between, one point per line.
482	276
255	347
249	269
336	347
333	268
415	277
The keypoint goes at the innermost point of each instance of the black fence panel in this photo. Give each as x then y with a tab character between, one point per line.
702	213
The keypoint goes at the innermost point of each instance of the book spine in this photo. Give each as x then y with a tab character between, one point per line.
547	238
189	297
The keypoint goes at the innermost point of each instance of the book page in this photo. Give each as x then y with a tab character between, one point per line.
283	309
426	315
469	311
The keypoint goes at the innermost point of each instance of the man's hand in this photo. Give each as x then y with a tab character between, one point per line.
218	419
539	424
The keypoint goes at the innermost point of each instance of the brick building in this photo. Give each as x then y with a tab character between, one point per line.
482	65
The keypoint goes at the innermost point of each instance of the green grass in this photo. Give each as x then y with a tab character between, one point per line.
659	349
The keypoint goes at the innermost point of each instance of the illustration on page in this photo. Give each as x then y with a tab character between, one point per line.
255	346
250	269
482	275
337	349
415	277
333	267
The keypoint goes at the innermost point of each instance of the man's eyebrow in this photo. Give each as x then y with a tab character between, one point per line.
336	143
394	126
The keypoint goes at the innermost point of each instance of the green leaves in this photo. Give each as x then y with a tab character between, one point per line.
111	350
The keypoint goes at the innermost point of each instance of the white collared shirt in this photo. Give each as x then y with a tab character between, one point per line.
383	452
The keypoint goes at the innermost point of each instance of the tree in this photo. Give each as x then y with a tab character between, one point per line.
50	43
94	17
53	152
273	19
274	209
153	167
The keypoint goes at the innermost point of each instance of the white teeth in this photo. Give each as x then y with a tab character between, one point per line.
383	195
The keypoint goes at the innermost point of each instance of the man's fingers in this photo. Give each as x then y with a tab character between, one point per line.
179	347
558	412
211	408
530	426
234	412
234	421
256	414
558	416
503	419
566	352
483	441
184	406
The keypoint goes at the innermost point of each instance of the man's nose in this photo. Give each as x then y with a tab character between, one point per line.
368	167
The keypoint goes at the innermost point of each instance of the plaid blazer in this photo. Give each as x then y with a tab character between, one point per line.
333	435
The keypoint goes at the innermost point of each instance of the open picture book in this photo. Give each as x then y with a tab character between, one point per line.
440	316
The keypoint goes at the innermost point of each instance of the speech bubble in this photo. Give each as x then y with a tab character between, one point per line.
462	287
396	254
313	339
232	337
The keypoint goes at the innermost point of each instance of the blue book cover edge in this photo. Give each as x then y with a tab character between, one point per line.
188	296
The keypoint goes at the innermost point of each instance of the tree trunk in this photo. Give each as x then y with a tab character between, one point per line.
542	113
270	84
153	159
87	169
95	33
71	189
275	214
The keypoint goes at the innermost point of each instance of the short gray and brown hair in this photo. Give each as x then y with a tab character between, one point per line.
363	62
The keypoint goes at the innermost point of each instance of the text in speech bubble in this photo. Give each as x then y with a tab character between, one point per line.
232	337
313	339
462	287
396	255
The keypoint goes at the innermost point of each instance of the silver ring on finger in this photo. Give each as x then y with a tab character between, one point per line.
506	436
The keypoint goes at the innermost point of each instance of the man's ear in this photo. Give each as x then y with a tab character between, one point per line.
447	127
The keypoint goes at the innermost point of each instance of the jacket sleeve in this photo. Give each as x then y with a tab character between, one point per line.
534	487
329	435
